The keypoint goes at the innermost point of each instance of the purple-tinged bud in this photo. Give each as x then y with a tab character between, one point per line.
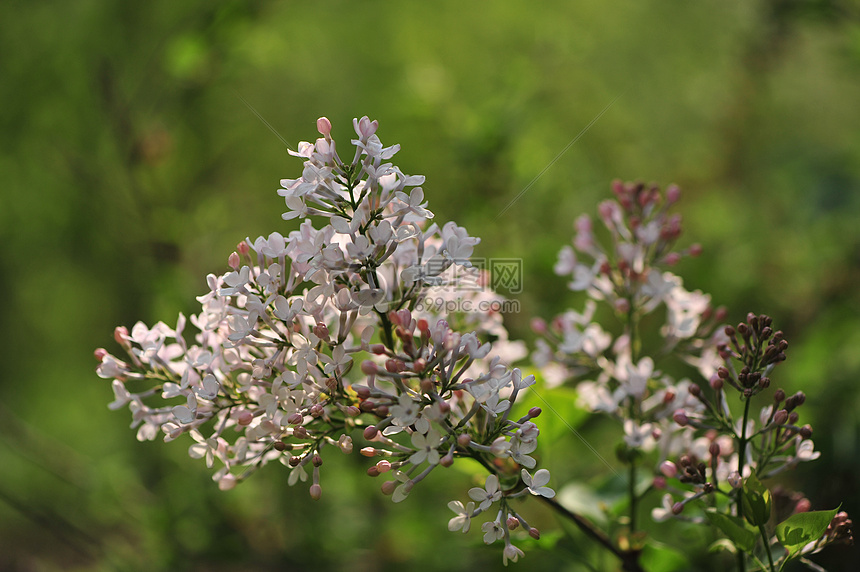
668	397
803	505
244	418
512	523
361	390
372	471
715	382
714	449
680	417
388	487
447	460
779	395
696	250
316	460
444	408
780	417
280	446
295	418
539	326
370	432
321	331
419	365
227	482
659	483
294	461
730	331
534	533
383	466
793	417
673	194
352	411
622	305
723	373
315	491
233	261
368	452
694	390
806	431
243	248
677	508
100	353
382	410
427	386
316	410
463	440
366	406
534	412
672	259
669	469
764	382
324	127
369	368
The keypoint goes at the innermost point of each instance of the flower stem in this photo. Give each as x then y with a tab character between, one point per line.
742	453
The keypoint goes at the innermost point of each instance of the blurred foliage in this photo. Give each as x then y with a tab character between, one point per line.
132	161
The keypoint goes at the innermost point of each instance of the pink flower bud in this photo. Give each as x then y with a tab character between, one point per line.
243	248
780	417
383	466
622	305
227	482
673	193
369	368
677	508
512	523
695	250
120	334
100	353
388	487
316	491
538	326
324	126
534	533
463	440
714	449
715	382
447	460
233	260
680	417
372	471
370	432
295	418
659	483
669	469
672	259
244	418
534	412
368	452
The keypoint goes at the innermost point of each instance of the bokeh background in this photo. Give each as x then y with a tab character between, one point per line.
131	164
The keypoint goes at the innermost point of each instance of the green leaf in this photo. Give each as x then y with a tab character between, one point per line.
662	558
800	529
755	499
742	534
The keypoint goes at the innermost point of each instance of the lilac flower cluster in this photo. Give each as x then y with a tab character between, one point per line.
313	339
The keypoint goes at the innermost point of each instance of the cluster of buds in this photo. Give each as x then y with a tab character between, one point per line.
272	377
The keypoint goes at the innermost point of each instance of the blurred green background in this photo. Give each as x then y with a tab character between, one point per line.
130	167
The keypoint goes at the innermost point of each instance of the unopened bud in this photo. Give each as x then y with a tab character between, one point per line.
512	523
368	367
316	460
383	466
716	382
463	440
534	412
668	397
694	390
120	334
447	460
806	431
100	353
680	417
538	326
372	471
295	418
714	449
779	395
427	385
370	432
388	487
280	446
659	483
367	451
321	331
695	250
294	461
780	417
324	126
316	491
233	260
243	248
677	508
361	390
793	417
534	533
673	193
669	469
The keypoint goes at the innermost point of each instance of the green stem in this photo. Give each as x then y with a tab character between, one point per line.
767	548
742	452
633	499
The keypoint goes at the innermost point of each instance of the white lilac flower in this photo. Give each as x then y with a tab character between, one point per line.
488	495
425	447
463	520
493	531
537	484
